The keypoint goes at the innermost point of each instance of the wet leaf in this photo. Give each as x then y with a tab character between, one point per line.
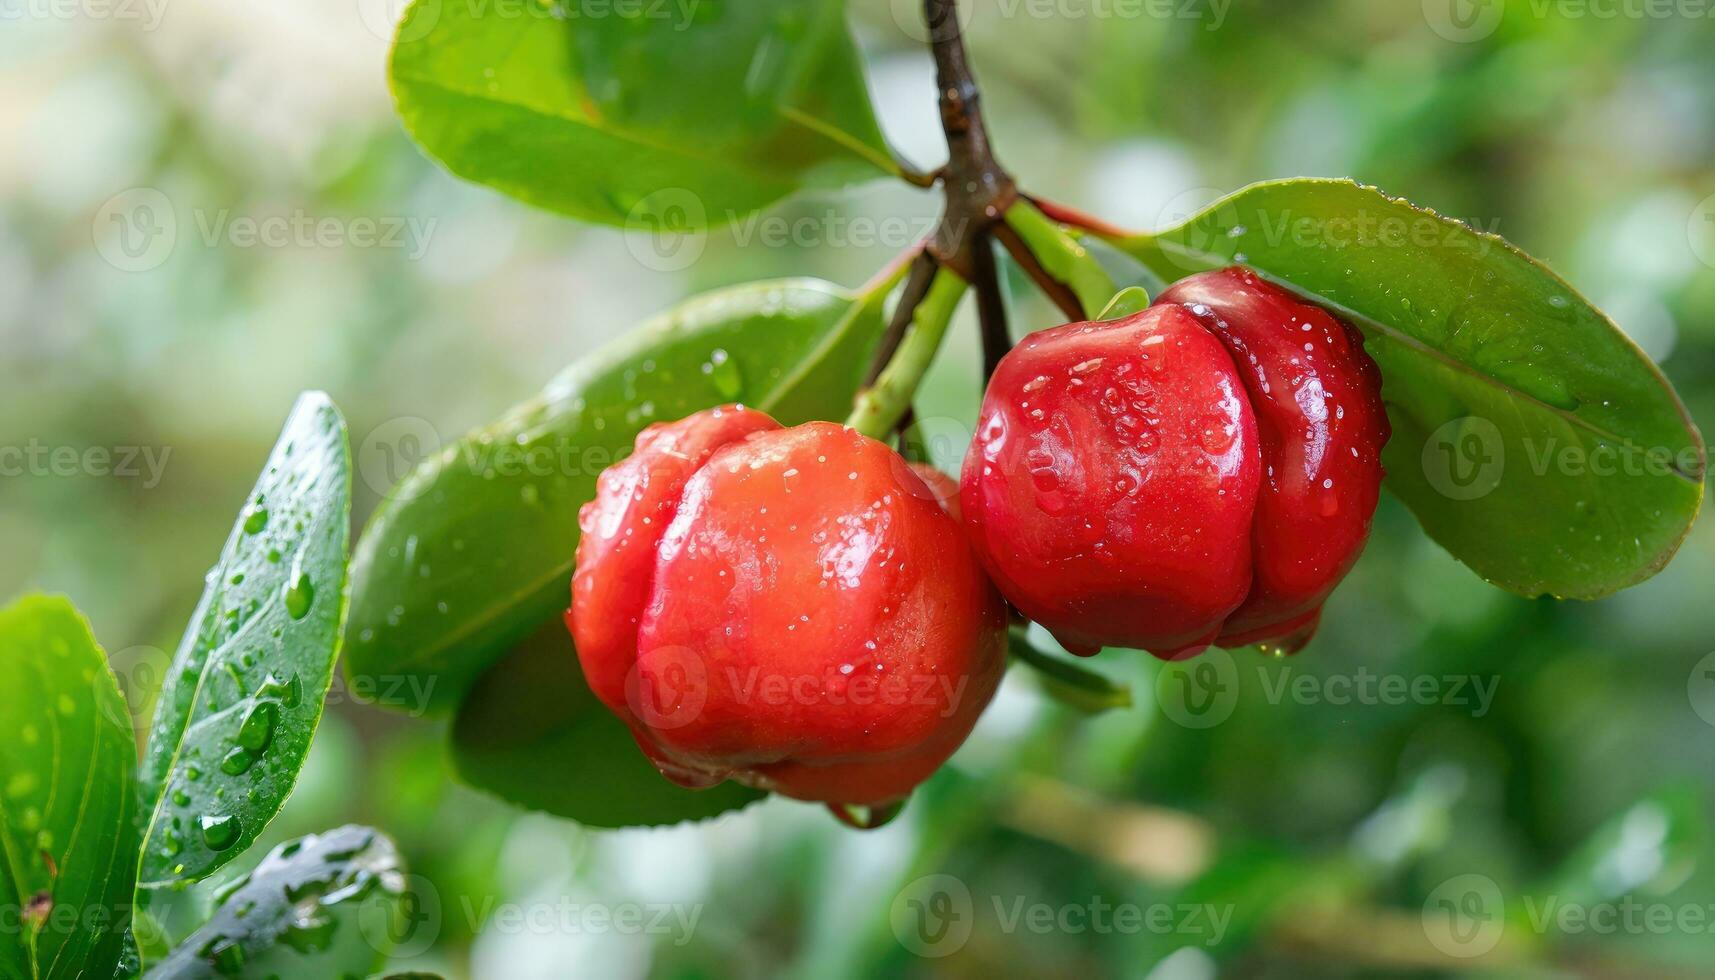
68	839
245	692
328	905
673	117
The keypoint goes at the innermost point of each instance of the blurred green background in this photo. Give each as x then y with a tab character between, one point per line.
1536	805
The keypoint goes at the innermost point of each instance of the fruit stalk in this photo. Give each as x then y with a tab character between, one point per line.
882	405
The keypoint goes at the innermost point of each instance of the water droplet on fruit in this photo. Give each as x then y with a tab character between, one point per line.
1217	437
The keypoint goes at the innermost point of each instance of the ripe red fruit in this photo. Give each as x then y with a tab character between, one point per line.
789	608
1202	472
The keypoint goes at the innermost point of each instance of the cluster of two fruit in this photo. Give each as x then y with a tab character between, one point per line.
805	612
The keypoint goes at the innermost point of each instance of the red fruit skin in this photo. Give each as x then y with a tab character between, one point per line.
789	608
1110	488
1321	425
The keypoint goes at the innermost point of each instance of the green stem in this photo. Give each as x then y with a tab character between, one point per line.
1062	256
1068	683
882	405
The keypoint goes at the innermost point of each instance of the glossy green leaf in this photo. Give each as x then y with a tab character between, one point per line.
532	733
245	692
1530	436
68	838
474	549
327	905
1132	299
675	115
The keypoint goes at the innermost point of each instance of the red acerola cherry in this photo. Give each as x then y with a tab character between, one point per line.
789	608
1321	425
1201	472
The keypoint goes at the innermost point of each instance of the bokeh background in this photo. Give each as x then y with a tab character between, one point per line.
1538	805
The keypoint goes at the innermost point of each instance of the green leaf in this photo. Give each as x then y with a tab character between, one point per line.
68	838
1132	299
692	114
1530	436
474	549
326	905
245	692
532	733
1069	683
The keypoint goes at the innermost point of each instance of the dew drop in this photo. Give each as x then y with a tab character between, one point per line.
299	595
219	832
237	762
310	936
256	520
289	691
225	955
257	729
